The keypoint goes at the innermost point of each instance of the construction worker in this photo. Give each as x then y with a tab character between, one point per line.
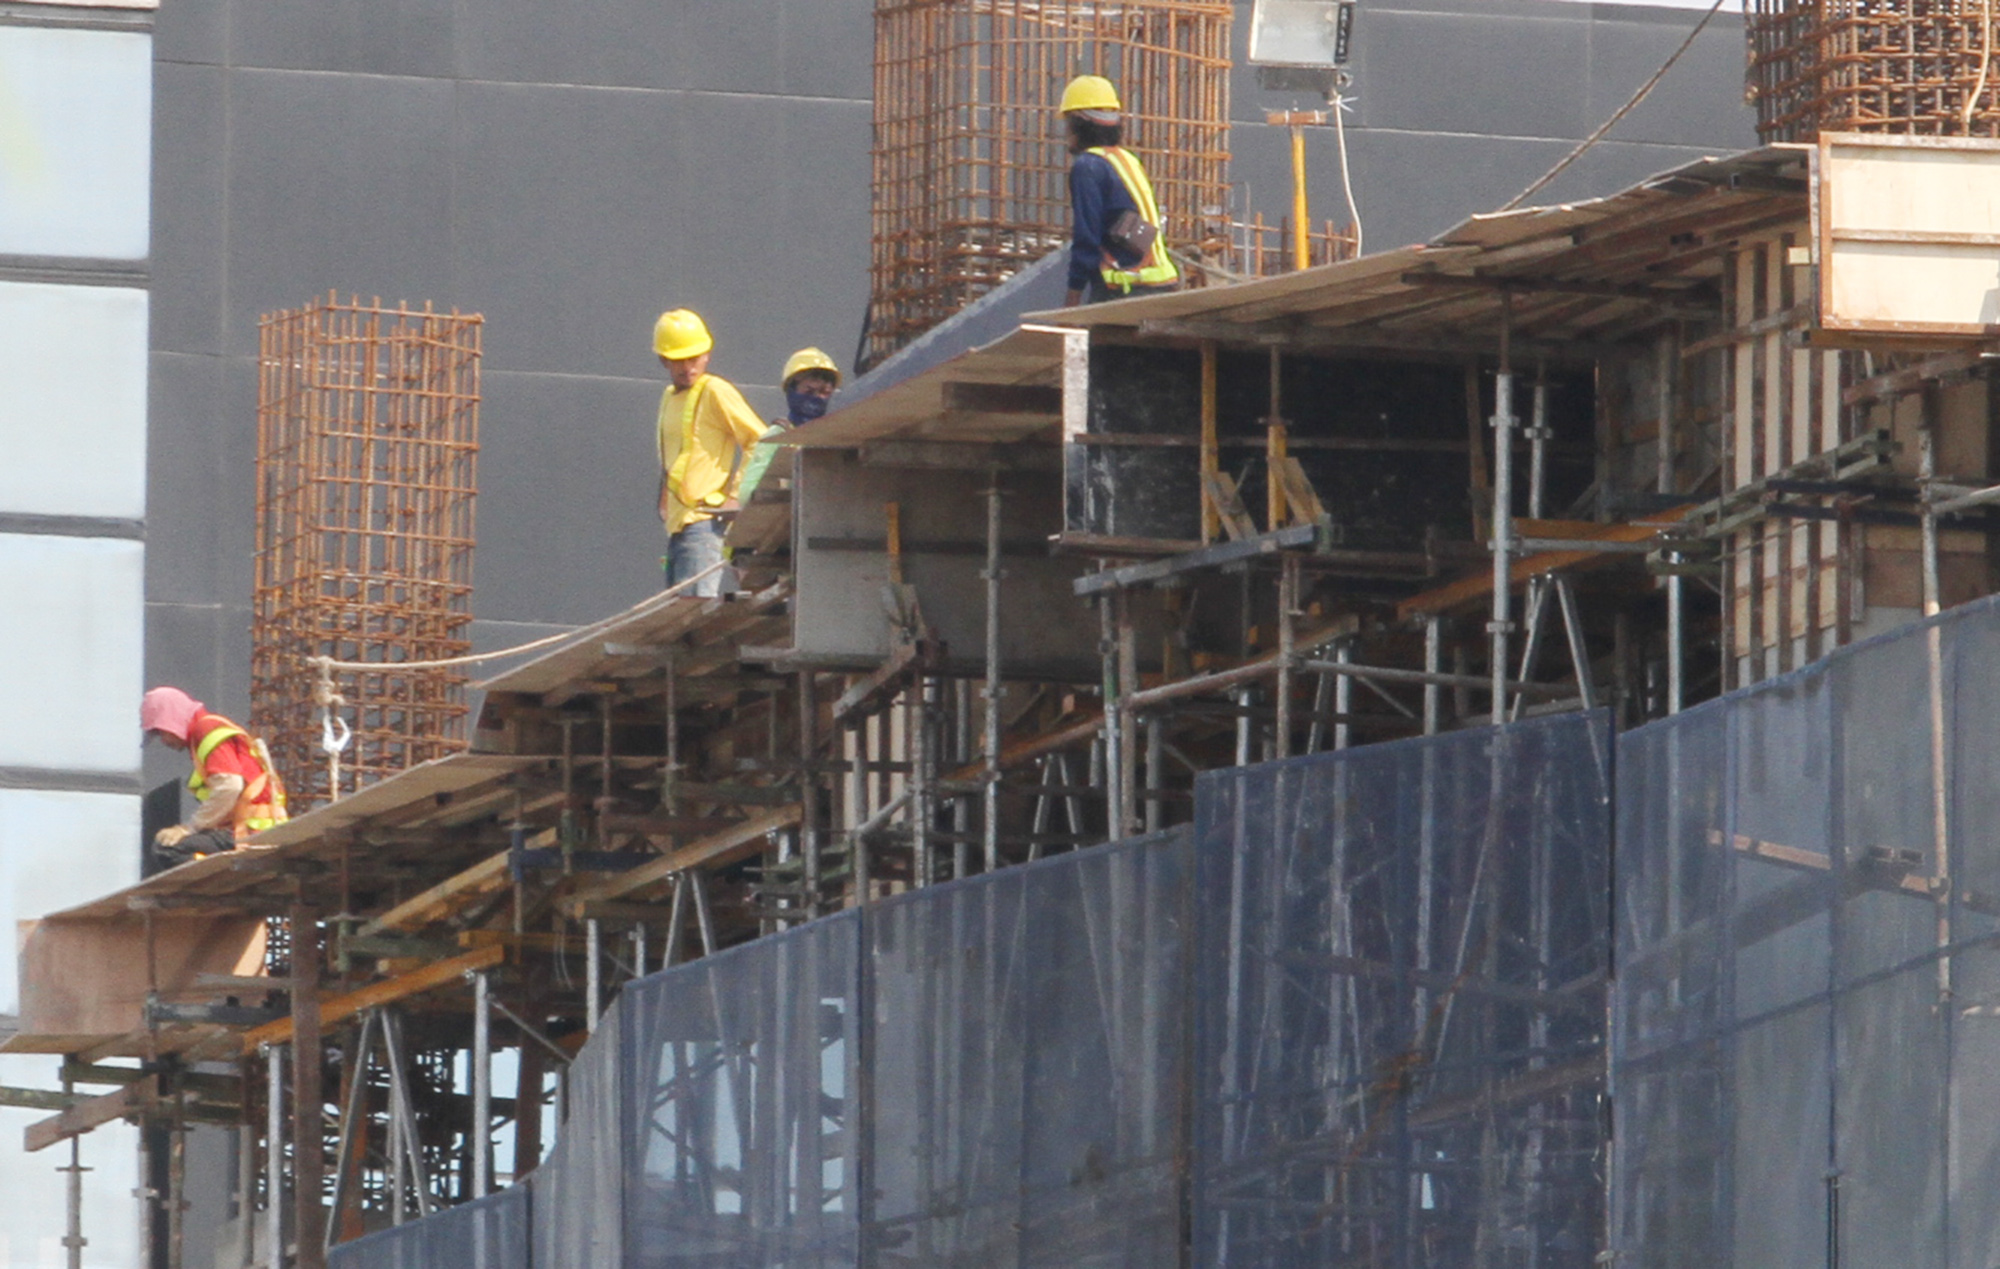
237	793
810	379
1118	239
706	433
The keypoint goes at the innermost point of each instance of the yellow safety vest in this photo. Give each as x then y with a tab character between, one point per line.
263	790
1158	268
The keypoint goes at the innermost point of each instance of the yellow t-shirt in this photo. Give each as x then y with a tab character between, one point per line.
722	423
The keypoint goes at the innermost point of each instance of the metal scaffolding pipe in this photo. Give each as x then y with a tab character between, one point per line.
593	972
274	1155
990	828
1503	509
482	1085
1433	660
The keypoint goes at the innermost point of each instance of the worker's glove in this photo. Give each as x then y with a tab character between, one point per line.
171	836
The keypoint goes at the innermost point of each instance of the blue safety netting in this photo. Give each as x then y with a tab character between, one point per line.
1399	984
488	1233
1807	1030
1353	1015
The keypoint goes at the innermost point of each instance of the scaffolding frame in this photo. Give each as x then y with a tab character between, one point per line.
367	444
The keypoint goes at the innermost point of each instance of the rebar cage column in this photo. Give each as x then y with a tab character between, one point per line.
367	441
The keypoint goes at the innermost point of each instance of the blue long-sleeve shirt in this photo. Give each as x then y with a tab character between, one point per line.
1097	198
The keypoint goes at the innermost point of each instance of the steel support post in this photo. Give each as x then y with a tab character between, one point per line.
1114	709
73	1240
1343	695
593	972
308	1117
274	1155
404	1115
353	1108
1288	604
991	824
1665	480
809	793
1154	809
1503	509
482	1085
1125	776
922	813
1433	665
1539	436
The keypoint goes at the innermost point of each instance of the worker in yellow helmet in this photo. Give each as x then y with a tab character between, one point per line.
1118	242
706	433
810	379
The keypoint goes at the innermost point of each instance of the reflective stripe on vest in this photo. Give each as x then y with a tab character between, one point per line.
1158	268
256	793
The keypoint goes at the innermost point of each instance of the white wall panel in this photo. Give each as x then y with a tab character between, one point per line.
32	1204
73	392
76	119
70	635
58	850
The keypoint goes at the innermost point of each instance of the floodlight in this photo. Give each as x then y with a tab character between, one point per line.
1301	34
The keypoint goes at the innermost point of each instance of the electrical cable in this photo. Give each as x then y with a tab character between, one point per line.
1985	63
1346	179
1644	89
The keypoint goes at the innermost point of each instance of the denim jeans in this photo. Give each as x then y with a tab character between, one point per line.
693	549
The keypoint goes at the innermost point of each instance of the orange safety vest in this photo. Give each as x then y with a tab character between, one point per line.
261	805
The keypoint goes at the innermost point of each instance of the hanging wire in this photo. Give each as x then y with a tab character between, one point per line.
1645	89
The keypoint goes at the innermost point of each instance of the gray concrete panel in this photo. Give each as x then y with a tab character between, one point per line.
809	48
189	240
1467	74
783	260
377	37
1699	102
569	223
191	31
184	479
335	182
568	493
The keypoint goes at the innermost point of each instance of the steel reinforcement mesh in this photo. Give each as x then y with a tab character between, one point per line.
1807	1058
1352	1017
1898	66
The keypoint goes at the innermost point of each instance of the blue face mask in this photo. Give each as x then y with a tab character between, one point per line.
804	406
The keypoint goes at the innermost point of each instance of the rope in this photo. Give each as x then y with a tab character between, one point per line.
1644	90
1985	62
580	632
336	735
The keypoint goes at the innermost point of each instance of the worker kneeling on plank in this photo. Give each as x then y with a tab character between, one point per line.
236	789
706	433
1118	241
810	379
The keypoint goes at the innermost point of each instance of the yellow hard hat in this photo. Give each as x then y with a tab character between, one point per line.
681	334
808	359
1089	92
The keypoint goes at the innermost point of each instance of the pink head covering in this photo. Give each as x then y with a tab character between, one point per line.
170	710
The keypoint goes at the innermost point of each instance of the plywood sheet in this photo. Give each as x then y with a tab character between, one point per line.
1909	234
88	976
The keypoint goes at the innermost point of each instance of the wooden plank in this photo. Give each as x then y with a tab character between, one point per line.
1228	504
1479	585
339	1008
437	902
90	1113
721	848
